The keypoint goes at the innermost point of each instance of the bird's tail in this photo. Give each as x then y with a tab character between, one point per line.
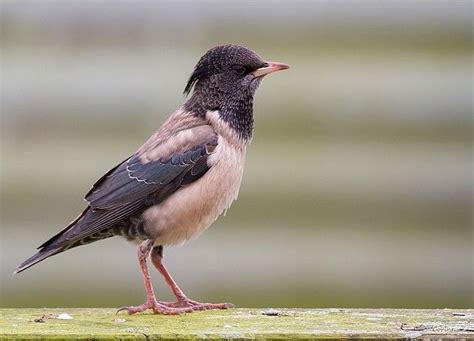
36	258
52	246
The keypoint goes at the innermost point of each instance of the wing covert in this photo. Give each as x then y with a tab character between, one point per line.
133	180
136	184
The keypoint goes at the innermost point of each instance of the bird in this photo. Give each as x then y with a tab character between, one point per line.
181	179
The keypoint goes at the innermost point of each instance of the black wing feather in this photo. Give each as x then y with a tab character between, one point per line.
132	187
127	190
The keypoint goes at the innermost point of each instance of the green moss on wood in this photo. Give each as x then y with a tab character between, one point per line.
100	324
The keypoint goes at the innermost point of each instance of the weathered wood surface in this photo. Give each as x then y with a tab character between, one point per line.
99	324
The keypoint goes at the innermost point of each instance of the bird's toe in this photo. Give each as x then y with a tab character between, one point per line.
163	308
135	309
194	305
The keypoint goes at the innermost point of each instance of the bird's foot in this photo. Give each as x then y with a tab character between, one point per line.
186	303
157	307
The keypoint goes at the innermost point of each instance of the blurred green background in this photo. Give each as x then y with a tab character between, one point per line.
358	184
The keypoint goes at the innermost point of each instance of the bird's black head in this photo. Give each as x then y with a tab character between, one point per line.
228	67
225	79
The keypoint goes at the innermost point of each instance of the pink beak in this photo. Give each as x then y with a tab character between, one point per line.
269	68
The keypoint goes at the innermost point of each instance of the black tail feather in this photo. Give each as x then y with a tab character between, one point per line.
36	258
51	247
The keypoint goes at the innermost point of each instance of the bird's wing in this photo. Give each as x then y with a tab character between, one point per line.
148	177
174	156
135	179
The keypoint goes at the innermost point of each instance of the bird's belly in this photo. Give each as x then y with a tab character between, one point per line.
193	208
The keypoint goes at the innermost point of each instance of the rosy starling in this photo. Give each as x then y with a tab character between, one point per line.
178	182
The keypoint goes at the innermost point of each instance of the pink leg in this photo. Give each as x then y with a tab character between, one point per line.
151	303
182	300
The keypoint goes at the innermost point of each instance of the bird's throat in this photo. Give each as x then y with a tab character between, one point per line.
235	111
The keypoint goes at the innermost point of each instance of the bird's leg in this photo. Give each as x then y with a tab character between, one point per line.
151	303
182	300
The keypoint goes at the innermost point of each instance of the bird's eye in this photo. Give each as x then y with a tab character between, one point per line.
239	69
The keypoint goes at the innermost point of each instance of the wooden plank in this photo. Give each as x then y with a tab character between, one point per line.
99	324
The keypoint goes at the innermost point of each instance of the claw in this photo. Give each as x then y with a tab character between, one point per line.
121	309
